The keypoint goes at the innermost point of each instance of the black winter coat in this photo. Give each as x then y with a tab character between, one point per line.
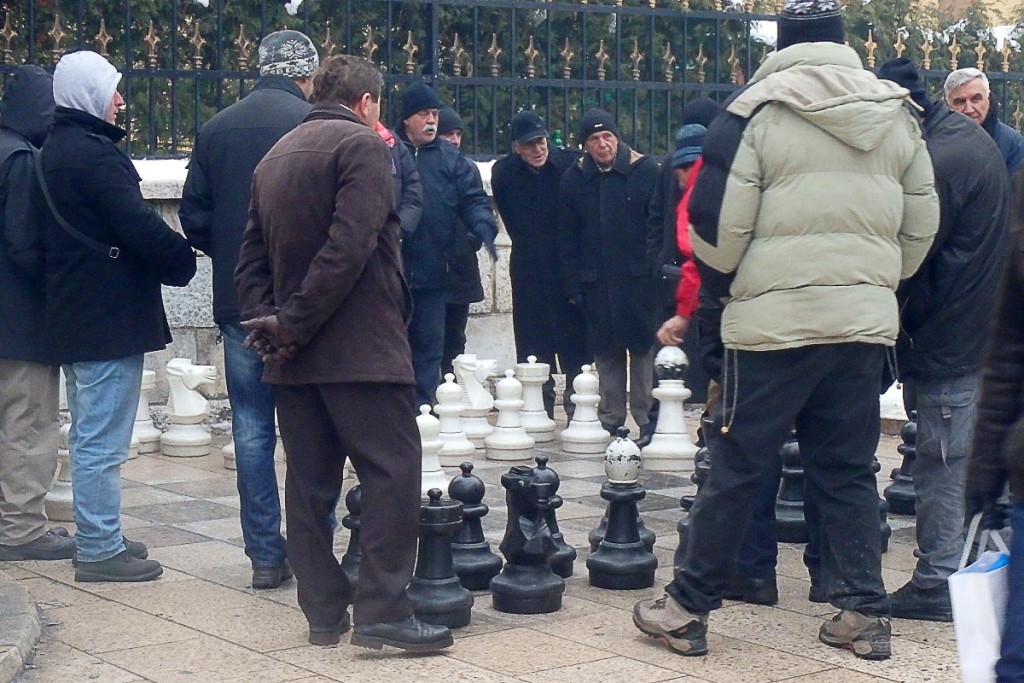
946	306
408	188
662	241
215	199
603	247
99	308
1009	141
528	201
27	118
451	191
464	284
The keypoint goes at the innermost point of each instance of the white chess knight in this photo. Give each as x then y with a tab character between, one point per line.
533	375
147	433
585	435
509	440
476	399
433	477
671	449
455	448
59	501
186	409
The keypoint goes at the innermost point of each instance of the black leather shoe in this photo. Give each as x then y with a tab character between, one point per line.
816	593
54	544
646	435
753	591
926	604
267	578
409	634
121	567
136	549
329	635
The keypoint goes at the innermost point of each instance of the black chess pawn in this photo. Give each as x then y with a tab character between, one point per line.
595	535
472	558
900	493
436	595
701	470
565	554
883	511
353	554
790	524
526	584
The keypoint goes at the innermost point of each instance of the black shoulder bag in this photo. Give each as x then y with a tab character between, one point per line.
95	245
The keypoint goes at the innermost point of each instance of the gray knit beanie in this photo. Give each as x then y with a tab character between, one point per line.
288	53
85	81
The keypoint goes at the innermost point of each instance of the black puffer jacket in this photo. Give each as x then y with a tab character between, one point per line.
215	200
451	191
99	308
946	307
24	123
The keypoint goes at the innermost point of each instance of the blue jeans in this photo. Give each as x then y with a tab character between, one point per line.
1010	668
426	337
252	427
945	430
103	397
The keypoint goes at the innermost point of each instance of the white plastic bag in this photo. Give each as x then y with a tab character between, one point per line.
978	594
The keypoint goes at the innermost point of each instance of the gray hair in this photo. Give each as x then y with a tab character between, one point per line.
961	76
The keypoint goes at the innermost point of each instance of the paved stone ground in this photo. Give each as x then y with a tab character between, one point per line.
202	622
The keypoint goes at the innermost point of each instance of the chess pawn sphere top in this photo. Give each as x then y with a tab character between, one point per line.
622	459
352	521
671	449
472	558
671	363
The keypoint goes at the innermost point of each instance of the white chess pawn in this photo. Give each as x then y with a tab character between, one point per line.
433	477
133	447
228	451
147	433
533	375
59	501
509	441
476	399
671	449
585	435
186	409
455	448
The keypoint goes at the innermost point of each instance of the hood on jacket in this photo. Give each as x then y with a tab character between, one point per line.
28	104
826	85
85	81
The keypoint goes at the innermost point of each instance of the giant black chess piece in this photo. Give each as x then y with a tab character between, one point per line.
353	554
472	558
565	554
883	511
900	493
526	584
790	524
701	470
595	535
435	592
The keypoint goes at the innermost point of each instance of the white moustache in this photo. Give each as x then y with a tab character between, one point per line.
430	128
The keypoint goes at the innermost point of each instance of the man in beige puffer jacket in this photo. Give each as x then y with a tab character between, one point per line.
818	196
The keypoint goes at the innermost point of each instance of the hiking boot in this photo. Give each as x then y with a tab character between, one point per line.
666	620
753	591
330	635
136	549
121	567
52	545
867	637
409	634
925	604
267	578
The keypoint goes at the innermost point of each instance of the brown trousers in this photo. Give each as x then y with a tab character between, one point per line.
321	426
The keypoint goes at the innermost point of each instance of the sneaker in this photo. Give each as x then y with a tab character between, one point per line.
408	634
867	637
666	620
327	636
925	604
121	567
52	545
136	549
268	578
753	591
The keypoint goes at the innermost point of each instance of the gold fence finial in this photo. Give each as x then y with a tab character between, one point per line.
531	53
926	48
567	54
152	40
243	46
8	34
734	62
701	61
668	61
370	47
602	59
327	47
458	52
869	47
103	38
58	35
495	52
1017	116
764	54
954	53
1005	51
197	43
410	49
635	57
899	46
980	50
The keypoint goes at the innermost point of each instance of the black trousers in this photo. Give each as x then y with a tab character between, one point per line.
830	392
321	426
456	317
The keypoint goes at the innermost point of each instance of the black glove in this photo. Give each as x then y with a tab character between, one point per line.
994	514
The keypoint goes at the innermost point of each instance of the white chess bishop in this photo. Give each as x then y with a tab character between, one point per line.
455	447
671	449
476	399
186	409
533	375
509	440
585	435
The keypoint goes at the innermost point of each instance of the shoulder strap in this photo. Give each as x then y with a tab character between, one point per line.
95	245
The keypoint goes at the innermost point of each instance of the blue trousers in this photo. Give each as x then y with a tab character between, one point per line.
1010	668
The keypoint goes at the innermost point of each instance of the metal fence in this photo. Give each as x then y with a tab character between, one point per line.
183	60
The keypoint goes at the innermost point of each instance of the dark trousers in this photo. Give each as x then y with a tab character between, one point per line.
830	392
455	318
321	426
426	337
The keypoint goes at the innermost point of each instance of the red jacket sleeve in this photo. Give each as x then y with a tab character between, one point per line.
688	290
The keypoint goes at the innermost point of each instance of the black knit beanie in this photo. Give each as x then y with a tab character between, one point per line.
595	121
702	110
903	73
417	97
810	21
448	121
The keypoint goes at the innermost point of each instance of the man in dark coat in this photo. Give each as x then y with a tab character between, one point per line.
28	378
603	249
967	91
214	209
319	272
107	254
525	187
452	191
944	308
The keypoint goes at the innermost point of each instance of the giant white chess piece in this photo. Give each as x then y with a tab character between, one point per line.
455	448
186	409
228	451
585	435
533	375
476	399
433	477
509	441
59	501
671	449
144	430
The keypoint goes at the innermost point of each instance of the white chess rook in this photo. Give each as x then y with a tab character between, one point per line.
186	409
509	440
671	449
476	399
59	501
533	375
147	433
433	477
455	447
585	435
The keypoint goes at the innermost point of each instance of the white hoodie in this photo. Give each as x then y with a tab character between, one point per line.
85	81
